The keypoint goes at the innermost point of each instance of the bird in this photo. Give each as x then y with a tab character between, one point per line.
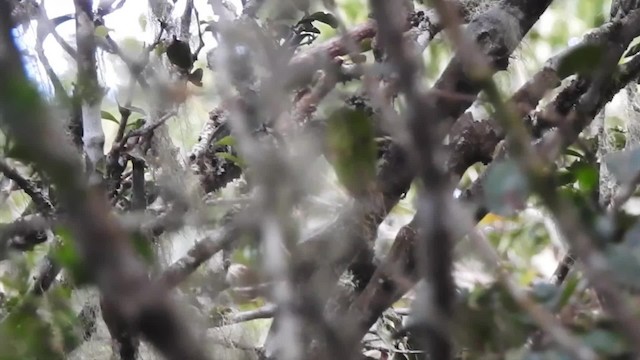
180	55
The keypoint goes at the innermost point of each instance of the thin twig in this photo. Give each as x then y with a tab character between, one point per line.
147	128
263	312
42	202
200	40
202	251
125	112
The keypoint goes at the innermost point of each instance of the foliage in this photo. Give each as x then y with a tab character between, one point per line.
244	189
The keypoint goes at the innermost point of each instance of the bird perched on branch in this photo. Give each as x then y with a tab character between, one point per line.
180	55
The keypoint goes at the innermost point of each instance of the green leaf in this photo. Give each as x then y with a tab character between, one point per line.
583	204
565	177
101	31
352	149
489	320
136	124
632	51
143	247
401	209
568	289
506	188
323	17
228	140
572	152
109	116
67	256
581	60
353	10
365	45
605	342
586	174
230	157
136	110
618	137
64	317
160	49
588	178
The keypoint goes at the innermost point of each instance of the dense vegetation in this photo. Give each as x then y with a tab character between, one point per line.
329	179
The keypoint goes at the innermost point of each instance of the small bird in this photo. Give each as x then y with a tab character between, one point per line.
180	55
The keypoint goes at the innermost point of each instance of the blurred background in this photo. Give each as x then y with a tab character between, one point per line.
529	242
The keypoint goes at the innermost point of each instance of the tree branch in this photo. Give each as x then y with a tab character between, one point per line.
104	247
89	90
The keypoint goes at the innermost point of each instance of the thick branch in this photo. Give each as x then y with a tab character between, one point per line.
89	89
383	290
